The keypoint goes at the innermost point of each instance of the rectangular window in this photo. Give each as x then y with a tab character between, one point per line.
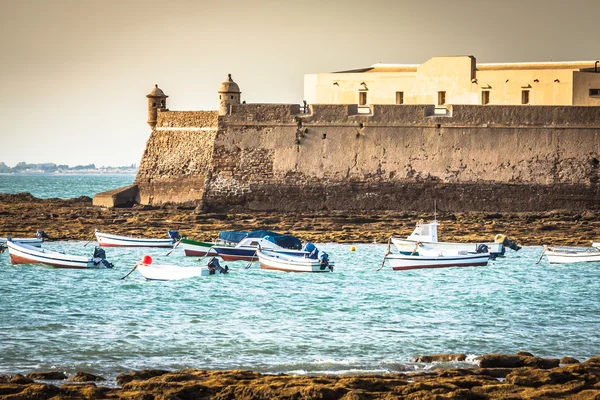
594	92
399	97
525	97
485	97
362	98
441	98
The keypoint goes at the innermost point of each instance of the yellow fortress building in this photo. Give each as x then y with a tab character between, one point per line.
459	80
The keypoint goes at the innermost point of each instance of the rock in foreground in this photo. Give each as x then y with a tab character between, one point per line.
575	381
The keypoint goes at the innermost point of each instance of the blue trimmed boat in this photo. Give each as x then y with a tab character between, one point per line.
110	240
236	246
25	254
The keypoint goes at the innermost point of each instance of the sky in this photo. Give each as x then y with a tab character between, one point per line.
74	73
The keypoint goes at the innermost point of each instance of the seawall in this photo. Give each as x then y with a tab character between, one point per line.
335	157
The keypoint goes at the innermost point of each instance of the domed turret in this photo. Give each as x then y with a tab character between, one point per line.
157	100
229	93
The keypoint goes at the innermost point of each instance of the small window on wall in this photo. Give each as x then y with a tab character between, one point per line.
441	98
594	92
399	97
362	98
525	97
485	97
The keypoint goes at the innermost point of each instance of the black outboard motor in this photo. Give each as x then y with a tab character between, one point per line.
511	245
173	234
483	248
214	266
100	257
40	234
324	260
500	238
99	253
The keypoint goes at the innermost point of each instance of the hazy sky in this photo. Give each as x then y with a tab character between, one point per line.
74	73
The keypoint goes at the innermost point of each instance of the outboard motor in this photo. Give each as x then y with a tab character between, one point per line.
500	238
2	248
40	234
174	235
511	244
100	258
214	266
99	253
324	260
312	250
483	248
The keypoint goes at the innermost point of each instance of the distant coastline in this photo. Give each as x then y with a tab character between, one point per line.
52	168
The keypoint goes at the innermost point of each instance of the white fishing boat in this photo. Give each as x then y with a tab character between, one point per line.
566	256
169	272
425	235
110	240
25	254
435	258
284	261
596	245
36	241
29	241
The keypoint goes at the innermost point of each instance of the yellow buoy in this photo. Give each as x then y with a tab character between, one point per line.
352	248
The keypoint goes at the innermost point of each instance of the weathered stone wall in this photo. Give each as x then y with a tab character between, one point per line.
178	157
272	157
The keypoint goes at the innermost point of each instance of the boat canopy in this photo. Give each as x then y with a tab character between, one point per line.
285	241
425	232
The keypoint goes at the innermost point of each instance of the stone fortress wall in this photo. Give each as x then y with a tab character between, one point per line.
397	157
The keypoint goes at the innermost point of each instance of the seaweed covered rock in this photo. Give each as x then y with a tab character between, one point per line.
81	376
439	358
139	375
516	361
47	375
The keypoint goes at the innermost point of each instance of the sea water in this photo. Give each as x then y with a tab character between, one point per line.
354	320
64	186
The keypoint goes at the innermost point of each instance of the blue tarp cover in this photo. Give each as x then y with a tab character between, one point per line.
285	241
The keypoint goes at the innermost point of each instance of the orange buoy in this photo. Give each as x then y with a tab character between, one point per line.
147	260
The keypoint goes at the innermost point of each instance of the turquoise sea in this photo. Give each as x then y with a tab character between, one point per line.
354	320
64	186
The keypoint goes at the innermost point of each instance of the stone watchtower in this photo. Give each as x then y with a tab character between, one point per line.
229	93
157	100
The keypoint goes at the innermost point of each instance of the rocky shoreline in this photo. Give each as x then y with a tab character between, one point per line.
22	214
498	376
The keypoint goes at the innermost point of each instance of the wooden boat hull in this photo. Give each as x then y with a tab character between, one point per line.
401	262
571	257
171	272
277	261
25	254
110	240
191	248
406	246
